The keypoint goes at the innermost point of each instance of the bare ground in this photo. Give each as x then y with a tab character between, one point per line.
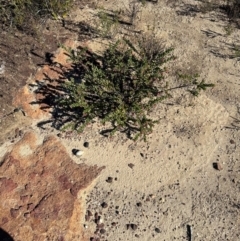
172	184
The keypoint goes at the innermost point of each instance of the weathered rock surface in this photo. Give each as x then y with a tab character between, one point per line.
29	97
40	191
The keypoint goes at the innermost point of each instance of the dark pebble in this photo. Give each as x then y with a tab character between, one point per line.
232	141
139	204
136	235
134	226
98	220
100	225
114	224
128	226
20	133
86	144
157	230
89	213
104	205
75	151
217	166
131	165
102	231
94	239
109	180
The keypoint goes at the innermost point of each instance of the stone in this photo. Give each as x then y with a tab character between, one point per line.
77	152
131	165
217	166
232	142
89	213
39	189
109	180
104	205
139	204
157	230
134	226
101	225
86	144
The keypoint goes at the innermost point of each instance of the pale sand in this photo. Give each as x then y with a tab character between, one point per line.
176	164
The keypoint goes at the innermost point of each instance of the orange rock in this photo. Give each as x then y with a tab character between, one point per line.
31	101
39	190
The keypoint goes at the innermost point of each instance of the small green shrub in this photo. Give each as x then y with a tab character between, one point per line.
120	87
236	50
24	14
108	24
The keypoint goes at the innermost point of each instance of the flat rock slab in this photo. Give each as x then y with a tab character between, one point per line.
39	187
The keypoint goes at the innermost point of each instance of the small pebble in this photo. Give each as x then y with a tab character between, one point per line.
152	196
217	166
94	239
109	180
102	231
134	226
89	213
77	152
100	225
157	230
128	226
232	141
131	165
100	220
139	204
86	144
104	205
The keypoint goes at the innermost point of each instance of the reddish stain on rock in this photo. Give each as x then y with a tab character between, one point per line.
4	220
75	188
14	212
24	198
7	185
65	183
44	193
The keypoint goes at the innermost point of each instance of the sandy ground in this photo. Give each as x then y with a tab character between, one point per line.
170	182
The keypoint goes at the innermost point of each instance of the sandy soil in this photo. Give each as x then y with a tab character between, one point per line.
168	184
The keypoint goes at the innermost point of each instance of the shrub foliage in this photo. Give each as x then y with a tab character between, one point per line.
119	87
23	13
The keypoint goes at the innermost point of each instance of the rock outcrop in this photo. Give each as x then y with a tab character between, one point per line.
41	189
